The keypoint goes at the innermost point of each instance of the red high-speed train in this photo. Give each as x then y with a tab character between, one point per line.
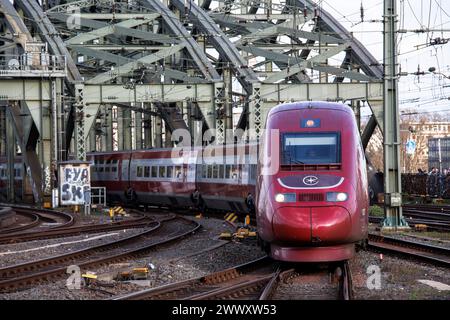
314	207
223	176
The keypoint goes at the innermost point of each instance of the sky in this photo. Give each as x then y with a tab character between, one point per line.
427	93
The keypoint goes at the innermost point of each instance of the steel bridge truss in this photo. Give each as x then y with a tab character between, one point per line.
135	71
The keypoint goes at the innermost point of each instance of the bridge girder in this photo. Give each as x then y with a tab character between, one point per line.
154	58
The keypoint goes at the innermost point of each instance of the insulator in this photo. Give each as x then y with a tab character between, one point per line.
362	12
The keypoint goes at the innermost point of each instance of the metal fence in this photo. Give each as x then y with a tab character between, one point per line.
98	196
32	64
424	184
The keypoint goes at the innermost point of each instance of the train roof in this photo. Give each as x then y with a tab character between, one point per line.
335	106
193	148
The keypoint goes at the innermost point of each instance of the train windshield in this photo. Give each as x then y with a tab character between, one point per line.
310	148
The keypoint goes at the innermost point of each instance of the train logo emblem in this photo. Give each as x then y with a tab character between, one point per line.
310	180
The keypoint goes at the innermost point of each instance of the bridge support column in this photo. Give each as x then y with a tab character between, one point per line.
255	114
2	130
147	127
124	128
392	176
157	132
10	154
138	128
107	128
93	139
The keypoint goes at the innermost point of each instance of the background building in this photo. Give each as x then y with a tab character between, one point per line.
439	153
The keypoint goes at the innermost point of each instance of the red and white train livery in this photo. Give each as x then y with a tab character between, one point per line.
223	176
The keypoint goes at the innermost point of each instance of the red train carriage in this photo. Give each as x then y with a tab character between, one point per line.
172	177
18	171
314	206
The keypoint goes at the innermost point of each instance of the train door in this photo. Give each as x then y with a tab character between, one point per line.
192	169
126	166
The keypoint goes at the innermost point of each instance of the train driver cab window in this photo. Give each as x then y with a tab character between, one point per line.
310	148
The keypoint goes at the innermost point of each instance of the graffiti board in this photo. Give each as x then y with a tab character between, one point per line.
74	183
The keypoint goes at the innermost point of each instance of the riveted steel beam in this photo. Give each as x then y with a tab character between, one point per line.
294	69
102	32
129	67
224	46
174	24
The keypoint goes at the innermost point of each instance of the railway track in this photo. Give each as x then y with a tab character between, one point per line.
431	224
16	277
255	280
426	252
38	217
427	207
27	220
72	231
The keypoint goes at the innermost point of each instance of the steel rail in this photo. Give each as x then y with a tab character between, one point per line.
426	252
201	285
25	280
345	283
34	222
71	231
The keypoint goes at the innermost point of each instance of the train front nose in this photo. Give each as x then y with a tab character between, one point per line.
324	225
292	224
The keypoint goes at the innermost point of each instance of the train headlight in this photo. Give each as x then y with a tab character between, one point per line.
336	196
285	197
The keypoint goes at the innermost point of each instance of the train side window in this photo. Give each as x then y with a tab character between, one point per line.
209	171
162	171
139	172
100	169
221	171
169	172
253	169
178	172
228	171
234	172
154	172
204	170
107	169
215	171
114	169
147	172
